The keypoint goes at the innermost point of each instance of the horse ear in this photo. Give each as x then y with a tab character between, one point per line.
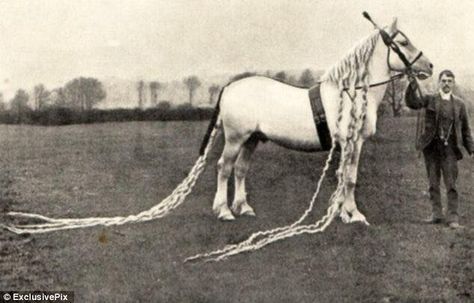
393	27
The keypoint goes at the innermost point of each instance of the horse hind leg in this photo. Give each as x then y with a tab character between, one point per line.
240	204
224	170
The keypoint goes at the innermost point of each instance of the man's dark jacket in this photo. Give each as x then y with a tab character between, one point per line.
432	103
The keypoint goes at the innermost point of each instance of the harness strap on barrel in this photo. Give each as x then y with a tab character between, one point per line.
319	116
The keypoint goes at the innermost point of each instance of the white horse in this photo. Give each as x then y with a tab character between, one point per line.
258	107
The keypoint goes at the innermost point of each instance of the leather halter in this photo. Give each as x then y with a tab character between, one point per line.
391	45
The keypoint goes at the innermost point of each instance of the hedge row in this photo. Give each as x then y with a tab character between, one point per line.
66	116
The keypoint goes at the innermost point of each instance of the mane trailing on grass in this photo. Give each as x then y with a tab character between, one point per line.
163	208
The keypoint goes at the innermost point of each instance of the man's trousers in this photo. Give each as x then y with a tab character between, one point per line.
441	160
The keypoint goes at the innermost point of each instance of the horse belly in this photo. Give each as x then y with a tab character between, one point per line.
280	112
290	122
297	134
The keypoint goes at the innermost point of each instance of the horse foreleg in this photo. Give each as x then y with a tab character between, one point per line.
224	170
240	204
349	212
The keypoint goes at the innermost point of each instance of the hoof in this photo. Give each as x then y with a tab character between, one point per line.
353	217
243	209
225	215
248	211
345	217
358	217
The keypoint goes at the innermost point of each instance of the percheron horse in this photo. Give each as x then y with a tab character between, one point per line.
351	92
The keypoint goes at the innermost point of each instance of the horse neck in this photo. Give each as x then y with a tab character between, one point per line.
378	70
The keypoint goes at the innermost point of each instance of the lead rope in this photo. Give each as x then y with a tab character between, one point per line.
419	127
420	120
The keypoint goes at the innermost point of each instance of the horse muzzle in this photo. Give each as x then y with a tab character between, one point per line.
423	69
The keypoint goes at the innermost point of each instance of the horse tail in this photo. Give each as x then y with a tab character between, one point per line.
213	123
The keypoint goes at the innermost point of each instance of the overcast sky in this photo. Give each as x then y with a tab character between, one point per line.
52	41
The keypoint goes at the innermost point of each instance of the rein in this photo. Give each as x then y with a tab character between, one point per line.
393	78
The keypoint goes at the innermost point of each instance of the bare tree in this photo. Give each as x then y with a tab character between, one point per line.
19	104
2	103
20	100
155	86
40	95
58	97
93	92
213	90
394	96
73	94
84	93
141	93
192	83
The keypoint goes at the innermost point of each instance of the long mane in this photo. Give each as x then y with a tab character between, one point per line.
353	68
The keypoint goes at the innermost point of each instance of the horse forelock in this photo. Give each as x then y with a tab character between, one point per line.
352	69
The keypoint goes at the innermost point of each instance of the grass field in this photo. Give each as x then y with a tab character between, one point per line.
122	168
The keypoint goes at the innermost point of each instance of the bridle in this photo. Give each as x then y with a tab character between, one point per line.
391	45
388	40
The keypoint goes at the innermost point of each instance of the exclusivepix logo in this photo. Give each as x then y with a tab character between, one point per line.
40	297
32	297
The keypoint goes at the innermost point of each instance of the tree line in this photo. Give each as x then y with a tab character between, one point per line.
79	94
75	102
193	83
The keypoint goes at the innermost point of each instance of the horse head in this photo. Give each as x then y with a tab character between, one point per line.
403	56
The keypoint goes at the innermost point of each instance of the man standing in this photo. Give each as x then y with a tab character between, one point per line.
446	131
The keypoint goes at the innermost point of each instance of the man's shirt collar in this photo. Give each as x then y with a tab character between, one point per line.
445	96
